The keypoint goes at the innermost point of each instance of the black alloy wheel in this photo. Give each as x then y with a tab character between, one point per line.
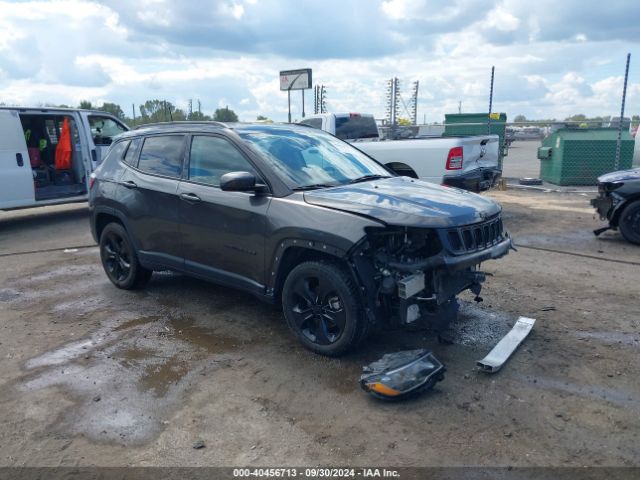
318	310
322	307
119	259
629	222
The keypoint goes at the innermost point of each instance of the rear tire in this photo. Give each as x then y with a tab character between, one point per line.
119	259
629	222
322	306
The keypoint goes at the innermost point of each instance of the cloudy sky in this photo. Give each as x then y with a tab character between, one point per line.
553	58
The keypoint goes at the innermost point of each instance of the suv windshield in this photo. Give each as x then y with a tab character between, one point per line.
309	158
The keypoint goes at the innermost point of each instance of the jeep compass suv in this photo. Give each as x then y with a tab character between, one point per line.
296	217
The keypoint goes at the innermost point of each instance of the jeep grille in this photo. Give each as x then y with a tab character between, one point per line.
478	236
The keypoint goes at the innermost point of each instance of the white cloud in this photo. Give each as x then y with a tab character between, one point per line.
501	19
230	54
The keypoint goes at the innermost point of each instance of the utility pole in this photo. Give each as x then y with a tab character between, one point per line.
319	99
323	99
413	104
493	68
315	99
393	94
624	97
133	110
199	107
459	106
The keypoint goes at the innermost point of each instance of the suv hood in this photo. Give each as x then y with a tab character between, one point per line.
620	176
407	202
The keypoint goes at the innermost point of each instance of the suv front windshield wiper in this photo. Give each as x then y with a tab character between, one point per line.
314	186
366	178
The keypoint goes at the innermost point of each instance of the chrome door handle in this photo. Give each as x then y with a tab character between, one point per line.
189	197
130	184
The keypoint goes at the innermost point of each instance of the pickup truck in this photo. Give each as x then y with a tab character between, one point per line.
469	162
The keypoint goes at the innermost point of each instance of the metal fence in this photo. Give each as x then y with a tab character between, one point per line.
568	153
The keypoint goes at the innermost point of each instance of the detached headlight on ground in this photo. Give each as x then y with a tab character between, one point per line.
399	374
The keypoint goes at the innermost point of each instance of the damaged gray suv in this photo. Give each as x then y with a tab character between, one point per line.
296	217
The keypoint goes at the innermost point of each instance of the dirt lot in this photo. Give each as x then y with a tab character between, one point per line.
91	375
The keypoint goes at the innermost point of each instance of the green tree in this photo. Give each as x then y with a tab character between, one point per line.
520	119
225	115
114	109
178	115
86	104
153	111
579	117
198	117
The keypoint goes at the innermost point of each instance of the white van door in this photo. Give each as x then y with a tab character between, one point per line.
16	177
103	128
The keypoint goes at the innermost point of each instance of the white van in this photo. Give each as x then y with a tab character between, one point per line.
28	143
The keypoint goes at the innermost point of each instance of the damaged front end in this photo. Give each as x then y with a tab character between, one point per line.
412	275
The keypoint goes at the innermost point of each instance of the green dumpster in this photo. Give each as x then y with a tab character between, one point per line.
477	124
578	156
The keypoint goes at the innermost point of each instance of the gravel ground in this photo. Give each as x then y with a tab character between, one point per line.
91	375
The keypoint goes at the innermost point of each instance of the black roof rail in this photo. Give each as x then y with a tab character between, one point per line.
183	122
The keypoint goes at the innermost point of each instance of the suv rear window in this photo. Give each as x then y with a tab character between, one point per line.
356	126
130	157
116	151
162	155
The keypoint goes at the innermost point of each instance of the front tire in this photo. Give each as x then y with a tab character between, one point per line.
119	259
322	307
629	222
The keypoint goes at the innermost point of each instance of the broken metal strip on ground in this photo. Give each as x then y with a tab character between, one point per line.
505	347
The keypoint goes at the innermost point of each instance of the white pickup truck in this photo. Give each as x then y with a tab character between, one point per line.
469	162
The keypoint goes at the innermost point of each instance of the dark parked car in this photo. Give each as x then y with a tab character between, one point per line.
619	202
297	217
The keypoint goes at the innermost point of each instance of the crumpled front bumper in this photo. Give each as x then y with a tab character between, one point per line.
603	205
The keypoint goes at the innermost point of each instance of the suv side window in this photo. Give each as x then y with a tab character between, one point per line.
212	157
116	150
162	155
130	158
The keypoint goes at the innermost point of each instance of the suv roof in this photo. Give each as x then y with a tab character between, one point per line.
200	126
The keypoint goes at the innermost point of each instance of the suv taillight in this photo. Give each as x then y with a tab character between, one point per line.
454	160
92	180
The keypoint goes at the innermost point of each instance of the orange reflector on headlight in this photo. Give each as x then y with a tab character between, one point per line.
382	389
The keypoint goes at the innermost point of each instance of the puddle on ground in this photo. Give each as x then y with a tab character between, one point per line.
131	374
159	378
206	338
136	322
134	356
8	294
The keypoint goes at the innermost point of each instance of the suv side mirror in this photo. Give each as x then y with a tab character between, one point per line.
239	182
